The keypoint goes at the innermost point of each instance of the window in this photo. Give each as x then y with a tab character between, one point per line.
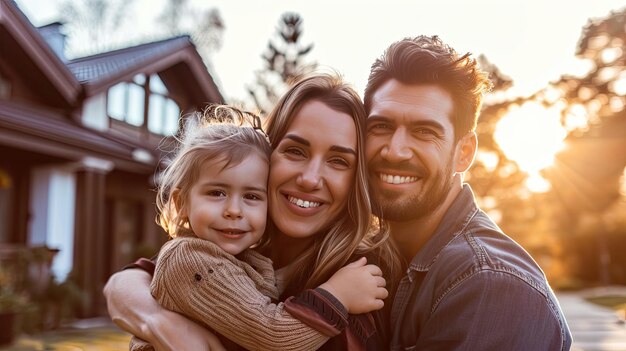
116	101
163	112
136	104
126	102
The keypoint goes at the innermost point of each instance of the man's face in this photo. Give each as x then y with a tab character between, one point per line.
410	149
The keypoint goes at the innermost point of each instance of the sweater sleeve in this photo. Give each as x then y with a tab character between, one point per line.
198	281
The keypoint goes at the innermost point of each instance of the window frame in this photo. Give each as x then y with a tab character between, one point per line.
144	127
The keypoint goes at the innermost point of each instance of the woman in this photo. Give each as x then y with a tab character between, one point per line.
318	202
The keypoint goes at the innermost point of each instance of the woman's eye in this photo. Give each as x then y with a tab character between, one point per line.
216	193
294	151
340	162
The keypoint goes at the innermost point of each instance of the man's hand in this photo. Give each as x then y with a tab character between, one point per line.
132	308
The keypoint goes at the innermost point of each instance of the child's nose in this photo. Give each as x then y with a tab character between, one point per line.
233	210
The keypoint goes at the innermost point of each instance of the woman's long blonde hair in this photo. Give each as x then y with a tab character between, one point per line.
353	232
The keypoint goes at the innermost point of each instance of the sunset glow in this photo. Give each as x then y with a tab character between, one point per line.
531	135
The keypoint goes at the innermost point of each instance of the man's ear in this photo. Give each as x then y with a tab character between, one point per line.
465	152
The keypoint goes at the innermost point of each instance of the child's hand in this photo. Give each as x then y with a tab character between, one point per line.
359	287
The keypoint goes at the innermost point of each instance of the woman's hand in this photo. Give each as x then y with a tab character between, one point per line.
132	308
359	286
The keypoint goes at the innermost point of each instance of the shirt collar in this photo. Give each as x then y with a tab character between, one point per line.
457	217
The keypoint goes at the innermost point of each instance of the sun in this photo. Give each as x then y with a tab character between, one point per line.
531	135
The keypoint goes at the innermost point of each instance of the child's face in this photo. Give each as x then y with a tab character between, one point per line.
229	207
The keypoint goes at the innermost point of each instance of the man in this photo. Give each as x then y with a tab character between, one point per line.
468	286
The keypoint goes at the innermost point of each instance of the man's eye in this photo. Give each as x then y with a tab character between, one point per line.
426	131
216	193
380	126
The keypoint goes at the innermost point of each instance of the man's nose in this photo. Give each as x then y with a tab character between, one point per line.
397	149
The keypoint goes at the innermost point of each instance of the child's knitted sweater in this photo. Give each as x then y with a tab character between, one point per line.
231	295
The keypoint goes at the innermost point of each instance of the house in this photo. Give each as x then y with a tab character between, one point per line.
79	145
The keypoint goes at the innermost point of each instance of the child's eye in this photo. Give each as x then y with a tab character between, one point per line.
216	193
253	197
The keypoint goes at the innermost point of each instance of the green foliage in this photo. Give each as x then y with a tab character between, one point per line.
10	301
51	306
576	230
28	288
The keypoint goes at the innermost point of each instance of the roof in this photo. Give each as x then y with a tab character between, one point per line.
47	132
101	71
36	49
96	67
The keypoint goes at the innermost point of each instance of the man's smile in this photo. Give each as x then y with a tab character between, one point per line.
396	179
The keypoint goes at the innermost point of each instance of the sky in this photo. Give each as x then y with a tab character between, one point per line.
531	41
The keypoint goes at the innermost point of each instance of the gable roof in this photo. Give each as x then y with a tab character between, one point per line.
99	72
107	64
30	41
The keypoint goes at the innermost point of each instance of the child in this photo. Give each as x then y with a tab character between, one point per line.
212	200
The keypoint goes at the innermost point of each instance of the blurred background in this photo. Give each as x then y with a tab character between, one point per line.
91	92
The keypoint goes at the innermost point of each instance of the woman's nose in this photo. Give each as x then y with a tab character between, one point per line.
310	178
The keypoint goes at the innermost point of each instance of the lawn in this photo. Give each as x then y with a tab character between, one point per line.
617	303
93	339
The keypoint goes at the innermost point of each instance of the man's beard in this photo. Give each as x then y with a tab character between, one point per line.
389	207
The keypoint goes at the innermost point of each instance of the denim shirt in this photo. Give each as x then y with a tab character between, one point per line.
473	288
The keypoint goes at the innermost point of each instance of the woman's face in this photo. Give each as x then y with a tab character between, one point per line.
312	170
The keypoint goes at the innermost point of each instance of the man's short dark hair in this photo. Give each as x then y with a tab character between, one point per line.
428	60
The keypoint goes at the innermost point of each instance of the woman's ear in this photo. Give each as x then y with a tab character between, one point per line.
465	152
